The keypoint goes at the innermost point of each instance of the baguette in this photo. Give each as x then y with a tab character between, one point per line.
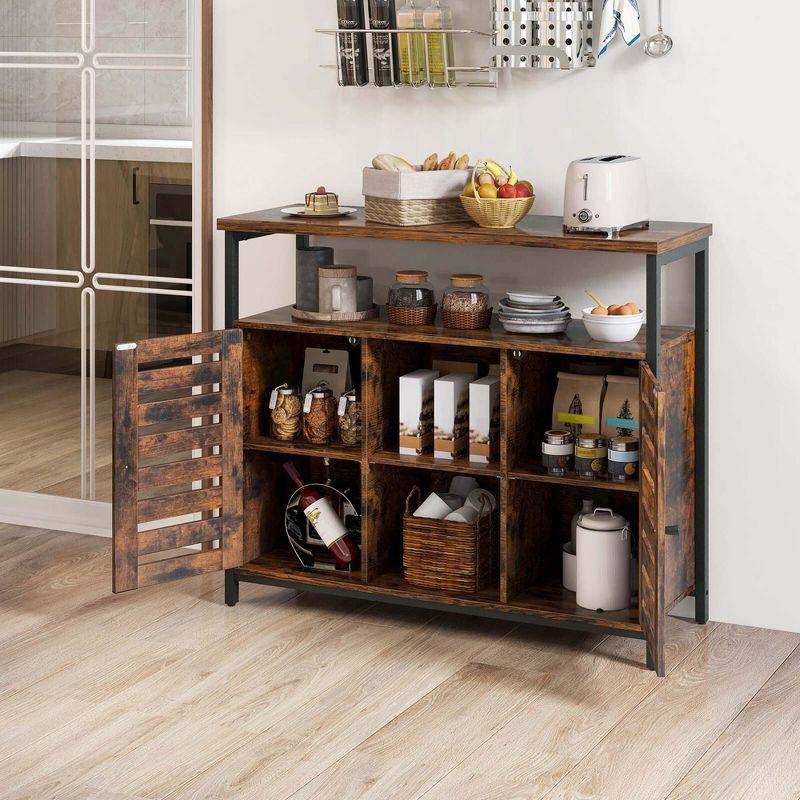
392	163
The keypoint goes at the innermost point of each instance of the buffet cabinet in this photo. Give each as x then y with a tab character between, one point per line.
192	441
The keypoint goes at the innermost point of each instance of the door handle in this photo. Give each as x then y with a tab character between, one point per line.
135	182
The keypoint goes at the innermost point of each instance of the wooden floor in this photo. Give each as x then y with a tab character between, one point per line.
167	693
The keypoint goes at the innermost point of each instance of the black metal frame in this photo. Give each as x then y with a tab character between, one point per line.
655	263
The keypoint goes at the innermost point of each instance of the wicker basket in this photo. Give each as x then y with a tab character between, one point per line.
419	315
414	212
495	213
455	557
466	320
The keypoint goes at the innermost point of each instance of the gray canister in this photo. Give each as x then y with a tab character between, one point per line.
309	260
364	293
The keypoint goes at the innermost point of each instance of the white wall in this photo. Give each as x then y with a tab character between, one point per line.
714	122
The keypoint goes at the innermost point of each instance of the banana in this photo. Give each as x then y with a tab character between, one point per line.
497	171
512	177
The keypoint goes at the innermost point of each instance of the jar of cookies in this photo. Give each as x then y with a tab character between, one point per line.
285	413
350	419
319	415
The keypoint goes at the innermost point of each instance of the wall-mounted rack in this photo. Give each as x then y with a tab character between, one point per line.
420	70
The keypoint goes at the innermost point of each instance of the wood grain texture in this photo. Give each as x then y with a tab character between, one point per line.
535	230
180	472
232	453
169	694
575	341
196	405
125	470
180	377
160	444
652	515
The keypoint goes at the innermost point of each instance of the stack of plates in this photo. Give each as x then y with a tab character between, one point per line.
531	312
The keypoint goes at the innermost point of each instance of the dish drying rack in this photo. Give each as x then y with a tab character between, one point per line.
526	34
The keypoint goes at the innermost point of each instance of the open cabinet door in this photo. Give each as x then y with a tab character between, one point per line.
652	525
178	463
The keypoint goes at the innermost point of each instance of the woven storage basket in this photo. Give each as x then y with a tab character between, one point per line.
455	557
494	213
414	212
466	320
420	315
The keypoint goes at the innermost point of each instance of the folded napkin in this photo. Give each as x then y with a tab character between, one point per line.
622	16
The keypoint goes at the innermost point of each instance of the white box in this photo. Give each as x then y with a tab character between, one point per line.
416	411
451	415
431	185
484	419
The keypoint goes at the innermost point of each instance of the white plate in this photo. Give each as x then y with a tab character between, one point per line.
524	327
300	211
532	312
531	298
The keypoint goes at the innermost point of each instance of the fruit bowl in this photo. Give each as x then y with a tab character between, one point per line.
612	328
495	212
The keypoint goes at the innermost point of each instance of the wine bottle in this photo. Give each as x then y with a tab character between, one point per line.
352	46
384	45
327	523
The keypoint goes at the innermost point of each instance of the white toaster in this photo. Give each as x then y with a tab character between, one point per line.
605	194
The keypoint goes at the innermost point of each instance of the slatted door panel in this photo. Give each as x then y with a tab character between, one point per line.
652	530
178	460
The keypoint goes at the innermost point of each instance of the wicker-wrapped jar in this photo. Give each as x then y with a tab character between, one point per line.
286	413
411	299
350	419
465	304
319	416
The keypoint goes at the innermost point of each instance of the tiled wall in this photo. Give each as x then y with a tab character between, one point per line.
126	97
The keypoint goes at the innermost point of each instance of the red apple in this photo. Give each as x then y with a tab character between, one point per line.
522	190
507	192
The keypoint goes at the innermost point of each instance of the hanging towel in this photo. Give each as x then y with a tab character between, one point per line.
622	16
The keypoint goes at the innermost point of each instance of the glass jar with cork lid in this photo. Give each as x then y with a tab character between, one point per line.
466	304
411	299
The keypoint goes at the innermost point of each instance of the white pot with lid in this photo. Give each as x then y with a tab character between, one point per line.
604	561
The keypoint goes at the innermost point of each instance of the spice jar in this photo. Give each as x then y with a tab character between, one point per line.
465	303
285	413
350	419
319	416
411	300
623	458
558	452
591	455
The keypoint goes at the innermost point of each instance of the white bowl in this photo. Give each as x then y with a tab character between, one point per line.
613	329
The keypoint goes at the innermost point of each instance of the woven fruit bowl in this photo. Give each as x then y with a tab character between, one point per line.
495	212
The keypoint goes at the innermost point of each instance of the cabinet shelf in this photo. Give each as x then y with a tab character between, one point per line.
462	466
267	444
536	473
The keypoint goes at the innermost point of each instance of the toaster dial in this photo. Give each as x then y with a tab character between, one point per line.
584	216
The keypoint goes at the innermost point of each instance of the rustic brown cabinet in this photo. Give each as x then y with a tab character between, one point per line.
193	439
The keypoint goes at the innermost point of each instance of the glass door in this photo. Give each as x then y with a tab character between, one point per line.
96	230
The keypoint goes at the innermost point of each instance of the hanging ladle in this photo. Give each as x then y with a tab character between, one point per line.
659	44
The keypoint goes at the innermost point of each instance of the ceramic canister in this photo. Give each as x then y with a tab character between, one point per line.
338	291
604	561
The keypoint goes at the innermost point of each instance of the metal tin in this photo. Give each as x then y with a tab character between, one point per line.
558	452
591	455
623	458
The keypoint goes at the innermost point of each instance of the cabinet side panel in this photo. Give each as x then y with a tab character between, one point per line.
677	382
232	450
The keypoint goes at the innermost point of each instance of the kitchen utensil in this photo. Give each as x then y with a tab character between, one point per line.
659	44
612	328
604	561
300	211
594	297
605	194
433	507
511	325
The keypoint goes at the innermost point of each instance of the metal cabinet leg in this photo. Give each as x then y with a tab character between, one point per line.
701	433
231	588
231	278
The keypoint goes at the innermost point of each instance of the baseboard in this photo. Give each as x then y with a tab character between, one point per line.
33	510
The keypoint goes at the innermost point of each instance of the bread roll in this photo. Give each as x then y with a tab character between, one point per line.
392	163
430	162
462	162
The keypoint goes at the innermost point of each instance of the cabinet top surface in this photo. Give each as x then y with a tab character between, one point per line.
575	341
534	231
